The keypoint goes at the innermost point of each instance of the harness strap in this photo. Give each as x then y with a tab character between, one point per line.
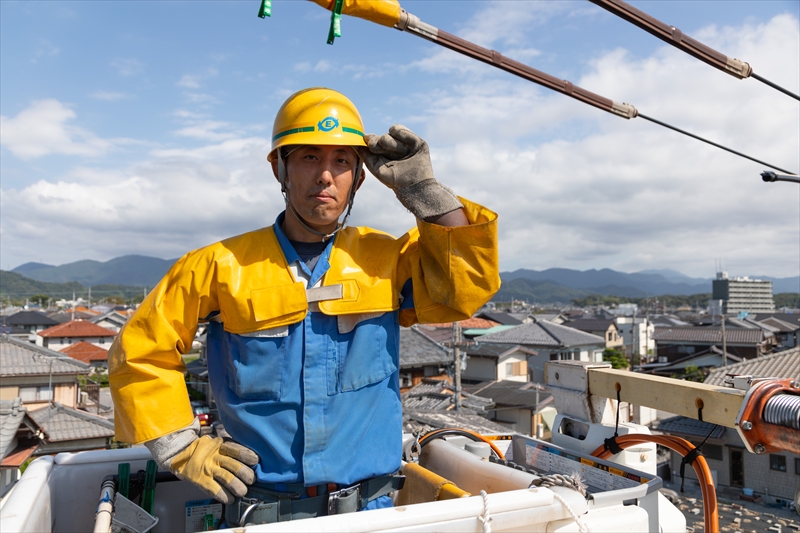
265	506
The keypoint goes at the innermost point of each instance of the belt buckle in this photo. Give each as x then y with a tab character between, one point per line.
334	496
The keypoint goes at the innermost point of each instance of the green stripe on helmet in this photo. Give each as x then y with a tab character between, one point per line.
352	130
307	129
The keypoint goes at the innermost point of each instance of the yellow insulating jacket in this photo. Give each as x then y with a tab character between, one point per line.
454	271
384	12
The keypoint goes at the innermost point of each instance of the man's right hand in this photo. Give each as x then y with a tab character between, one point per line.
220	467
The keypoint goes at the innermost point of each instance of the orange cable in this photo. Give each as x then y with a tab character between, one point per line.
700	466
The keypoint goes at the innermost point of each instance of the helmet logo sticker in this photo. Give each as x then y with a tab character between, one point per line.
328	124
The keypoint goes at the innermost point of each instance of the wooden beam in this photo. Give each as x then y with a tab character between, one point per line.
720	405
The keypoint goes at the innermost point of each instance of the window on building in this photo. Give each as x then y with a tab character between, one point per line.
517	369
712	451
27	394
35	394
777	462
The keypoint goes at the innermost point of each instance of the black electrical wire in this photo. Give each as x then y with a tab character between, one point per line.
774	86
712	143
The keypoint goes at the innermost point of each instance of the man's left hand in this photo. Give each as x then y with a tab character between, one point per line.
400	160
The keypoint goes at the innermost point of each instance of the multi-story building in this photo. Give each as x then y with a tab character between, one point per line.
742	294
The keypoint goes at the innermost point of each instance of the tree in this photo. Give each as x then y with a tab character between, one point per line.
40	299
692	373
616	358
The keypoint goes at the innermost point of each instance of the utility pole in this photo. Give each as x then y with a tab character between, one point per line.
724	343
457	354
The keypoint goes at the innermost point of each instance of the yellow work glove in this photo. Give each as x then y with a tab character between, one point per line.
221	468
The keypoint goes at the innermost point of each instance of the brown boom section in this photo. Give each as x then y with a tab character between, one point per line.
674	36
496	59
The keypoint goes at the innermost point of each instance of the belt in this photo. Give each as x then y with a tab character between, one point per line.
265	506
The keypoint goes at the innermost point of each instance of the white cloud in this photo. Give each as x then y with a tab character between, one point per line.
46	49
207	130
128	66
43	128
108	95
195	81
303	67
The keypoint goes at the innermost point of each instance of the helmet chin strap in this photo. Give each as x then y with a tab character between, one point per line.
282	179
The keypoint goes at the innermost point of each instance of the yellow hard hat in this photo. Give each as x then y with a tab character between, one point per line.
317	116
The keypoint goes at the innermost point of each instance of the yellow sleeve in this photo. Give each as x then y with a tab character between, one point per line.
454	270
145	361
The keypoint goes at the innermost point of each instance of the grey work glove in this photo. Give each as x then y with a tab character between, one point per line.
221	468
402	162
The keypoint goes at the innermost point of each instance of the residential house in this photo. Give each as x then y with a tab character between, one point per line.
31	321
637	335
775	475
503	319
93	355
62	335
518	406
705	360
432	405
605	328
678	342
71	430
786	327
443	332
19	438
38	375
113	320
421	357
493	362
551	342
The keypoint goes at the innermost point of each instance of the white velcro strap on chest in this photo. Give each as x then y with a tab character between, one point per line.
321	294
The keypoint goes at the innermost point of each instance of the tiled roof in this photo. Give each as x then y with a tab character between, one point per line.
684	426
470	323
77	328
785	317
416	350
495	349
590	324
436	394
29	318
501	318
784	364
12	413
62	423
709	335
509	393
86	352
542	333
414	420
23	358
780	325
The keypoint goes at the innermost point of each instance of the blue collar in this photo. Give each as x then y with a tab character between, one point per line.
291	256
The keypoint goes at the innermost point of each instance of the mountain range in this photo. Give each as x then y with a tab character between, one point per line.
546	286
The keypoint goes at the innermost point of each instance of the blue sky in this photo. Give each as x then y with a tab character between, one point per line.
143	127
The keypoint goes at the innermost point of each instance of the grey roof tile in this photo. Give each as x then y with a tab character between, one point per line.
62	423
12	413
542	333
709	335
23	358
30	318
681	425
784	364
417	350
509	393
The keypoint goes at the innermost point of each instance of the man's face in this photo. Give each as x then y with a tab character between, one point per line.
318	183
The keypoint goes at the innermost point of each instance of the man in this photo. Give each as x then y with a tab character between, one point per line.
304	315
